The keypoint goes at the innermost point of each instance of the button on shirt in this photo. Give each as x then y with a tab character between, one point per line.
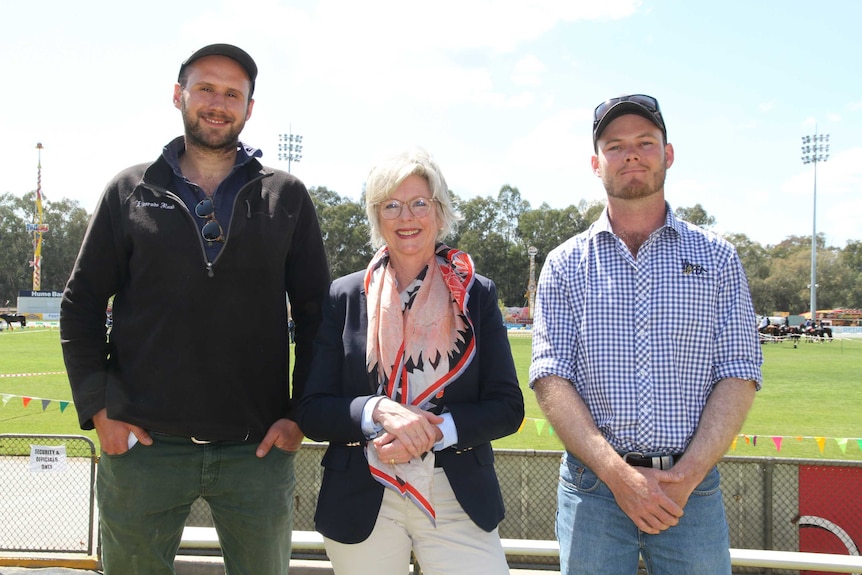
645	340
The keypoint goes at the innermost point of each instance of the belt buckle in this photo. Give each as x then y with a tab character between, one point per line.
657	461
197	441
663	462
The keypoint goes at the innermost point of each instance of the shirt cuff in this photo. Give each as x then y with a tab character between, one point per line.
369	428
450	433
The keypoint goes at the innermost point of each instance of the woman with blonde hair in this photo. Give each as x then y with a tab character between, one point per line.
412	379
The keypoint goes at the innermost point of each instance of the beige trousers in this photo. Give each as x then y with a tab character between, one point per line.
456	546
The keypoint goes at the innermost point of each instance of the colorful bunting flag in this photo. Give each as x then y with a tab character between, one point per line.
540	425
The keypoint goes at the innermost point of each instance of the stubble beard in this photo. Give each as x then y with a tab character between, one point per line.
635	188
199	136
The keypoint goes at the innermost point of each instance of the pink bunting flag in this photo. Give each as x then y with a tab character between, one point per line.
777	441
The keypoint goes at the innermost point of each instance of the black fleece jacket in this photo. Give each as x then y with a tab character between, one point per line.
196	348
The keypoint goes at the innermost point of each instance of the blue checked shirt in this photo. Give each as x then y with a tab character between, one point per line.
645	340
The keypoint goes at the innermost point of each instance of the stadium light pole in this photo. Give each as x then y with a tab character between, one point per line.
289	148
814	149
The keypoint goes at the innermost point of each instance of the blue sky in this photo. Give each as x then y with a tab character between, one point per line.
501	92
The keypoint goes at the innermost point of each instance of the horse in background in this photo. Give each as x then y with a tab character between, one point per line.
817	332
11	318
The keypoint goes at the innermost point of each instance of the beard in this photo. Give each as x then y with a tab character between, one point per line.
635	188
202	136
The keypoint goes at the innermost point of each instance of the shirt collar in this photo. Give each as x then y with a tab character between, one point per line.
603	224
177	147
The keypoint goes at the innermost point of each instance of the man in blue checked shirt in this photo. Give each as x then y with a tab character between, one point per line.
645	411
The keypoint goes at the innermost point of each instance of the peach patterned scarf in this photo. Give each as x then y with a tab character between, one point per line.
419	341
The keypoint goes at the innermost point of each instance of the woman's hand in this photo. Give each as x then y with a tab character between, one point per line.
410	431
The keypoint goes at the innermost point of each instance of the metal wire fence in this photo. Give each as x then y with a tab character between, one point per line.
771	503
47	499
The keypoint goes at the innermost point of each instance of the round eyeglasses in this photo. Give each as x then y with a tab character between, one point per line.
392	208
211	231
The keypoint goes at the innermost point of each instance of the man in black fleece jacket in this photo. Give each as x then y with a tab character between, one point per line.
186	401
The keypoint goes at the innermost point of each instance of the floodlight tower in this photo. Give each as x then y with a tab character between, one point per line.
814	149
290	148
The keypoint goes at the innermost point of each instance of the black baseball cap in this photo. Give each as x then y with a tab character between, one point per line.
611	109
230	51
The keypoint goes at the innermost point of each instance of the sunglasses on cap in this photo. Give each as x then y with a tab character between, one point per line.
640	104
648	102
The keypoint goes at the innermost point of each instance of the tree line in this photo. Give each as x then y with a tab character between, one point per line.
496	231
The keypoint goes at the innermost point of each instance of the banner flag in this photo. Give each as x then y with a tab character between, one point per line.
777	441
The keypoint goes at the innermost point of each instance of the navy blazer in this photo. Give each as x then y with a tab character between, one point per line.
485	402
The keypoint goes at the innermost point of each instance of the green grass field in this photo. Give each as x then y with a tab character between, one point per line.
812	397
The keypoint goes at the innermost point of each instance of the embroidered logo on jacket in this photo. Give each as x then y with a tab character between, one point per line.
160	205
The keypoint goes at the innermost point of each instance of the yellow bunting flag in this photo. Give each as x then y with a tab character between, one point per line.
821	443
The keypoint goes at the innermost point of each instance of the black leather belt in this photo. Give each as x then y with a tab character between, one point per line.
201	441
652	460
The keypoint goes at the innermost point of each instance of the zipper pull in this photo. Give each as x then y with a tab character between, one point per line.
210	269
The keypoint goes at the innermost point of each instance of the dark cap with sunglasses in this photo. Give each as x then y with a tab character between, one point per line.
239	55
611	109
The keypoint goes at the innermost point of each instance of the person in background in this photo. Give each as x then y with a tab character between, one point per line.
412	379
186	402
644	413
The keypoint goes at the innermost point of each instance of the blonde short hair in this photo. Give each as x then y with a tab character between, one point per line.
387	175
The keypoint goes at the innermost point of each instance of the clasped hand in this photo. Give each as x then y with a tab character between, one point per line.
653	499
408	431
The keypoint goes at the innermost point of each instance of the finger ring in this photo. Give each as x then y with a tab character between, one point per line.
391	462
